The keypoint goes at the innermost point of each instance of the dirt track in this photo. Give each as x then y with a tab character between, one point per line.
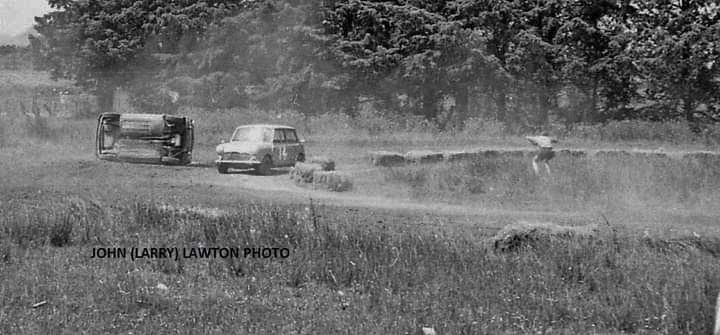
203	185
279	187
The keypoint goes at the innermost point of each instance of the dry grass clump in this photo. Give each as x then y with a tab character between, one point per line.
526	234
60	223
332	181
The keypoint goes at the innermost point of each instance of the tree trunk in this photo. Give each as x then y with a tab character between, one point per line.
429	109
543	107
501	103
461	104
688	108
592	111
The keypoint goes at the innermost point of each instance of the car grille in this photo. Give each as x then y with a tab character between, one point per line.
234	156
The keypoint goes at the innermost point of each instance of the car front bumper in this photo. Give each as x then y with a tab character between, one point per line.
238	164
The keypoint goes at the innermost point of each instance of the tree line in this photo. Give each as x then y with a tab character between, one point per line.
525	62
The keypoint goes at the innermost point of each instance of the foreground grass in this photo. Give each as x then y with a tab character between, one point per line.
341	276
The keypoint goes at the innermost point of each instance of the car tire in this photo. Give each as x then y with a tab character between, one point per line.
186	159
223	169
264	167
300	158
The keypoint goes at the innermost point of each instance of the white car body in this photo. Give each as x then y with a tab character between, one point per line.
260	147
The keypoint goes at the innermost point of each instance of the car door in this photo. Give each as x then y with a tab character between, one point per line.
292	143
279	150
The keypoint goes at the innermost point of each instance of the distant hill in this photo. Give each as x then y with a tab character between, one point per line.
20	39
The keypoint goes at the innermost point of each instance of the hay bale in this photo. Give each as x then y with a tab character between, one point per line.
571	153
423	156
303	172
326	163
516	154
386	158
655	155
331	180
489	154
521	234
455	156
611	154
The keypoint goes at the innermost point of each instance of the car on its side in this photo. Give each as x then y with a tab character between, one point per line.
144	138
260	147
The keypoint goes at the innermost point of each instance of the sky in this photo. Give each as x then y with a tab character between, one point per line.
17	16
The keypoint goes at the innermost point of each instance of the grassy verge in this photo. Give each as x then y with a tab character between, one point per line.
340	277
626	181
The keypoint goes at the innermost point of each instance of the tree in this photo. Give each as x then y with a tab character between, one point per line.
274	53
678	50
386	43
593	41
533	57
409	48
101	44
496	23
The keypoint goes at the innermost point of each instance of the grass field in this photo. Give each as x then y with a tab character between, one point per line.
654	268
343	276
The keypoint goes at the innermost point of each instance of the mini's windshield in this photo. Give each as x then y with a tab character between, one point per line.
252	134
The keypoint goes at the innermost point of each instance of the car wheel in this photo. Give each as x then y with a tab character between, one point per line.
264	167
223	169
300	158
185	159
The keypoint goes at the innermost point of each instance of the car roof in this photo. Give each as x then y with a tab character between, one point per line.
276	126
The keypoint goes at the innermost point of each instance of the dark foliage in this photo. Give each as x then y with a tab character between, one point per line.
525	63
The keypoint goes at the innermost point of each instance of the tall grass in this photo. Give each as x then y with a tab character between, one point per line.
671	132
372	126
391	281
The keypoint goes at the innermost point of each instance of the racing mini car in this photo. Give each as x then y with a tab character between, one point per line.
260	147
145	138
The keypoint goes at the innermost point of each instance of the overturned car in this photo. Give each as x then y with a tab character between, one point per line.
145	138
